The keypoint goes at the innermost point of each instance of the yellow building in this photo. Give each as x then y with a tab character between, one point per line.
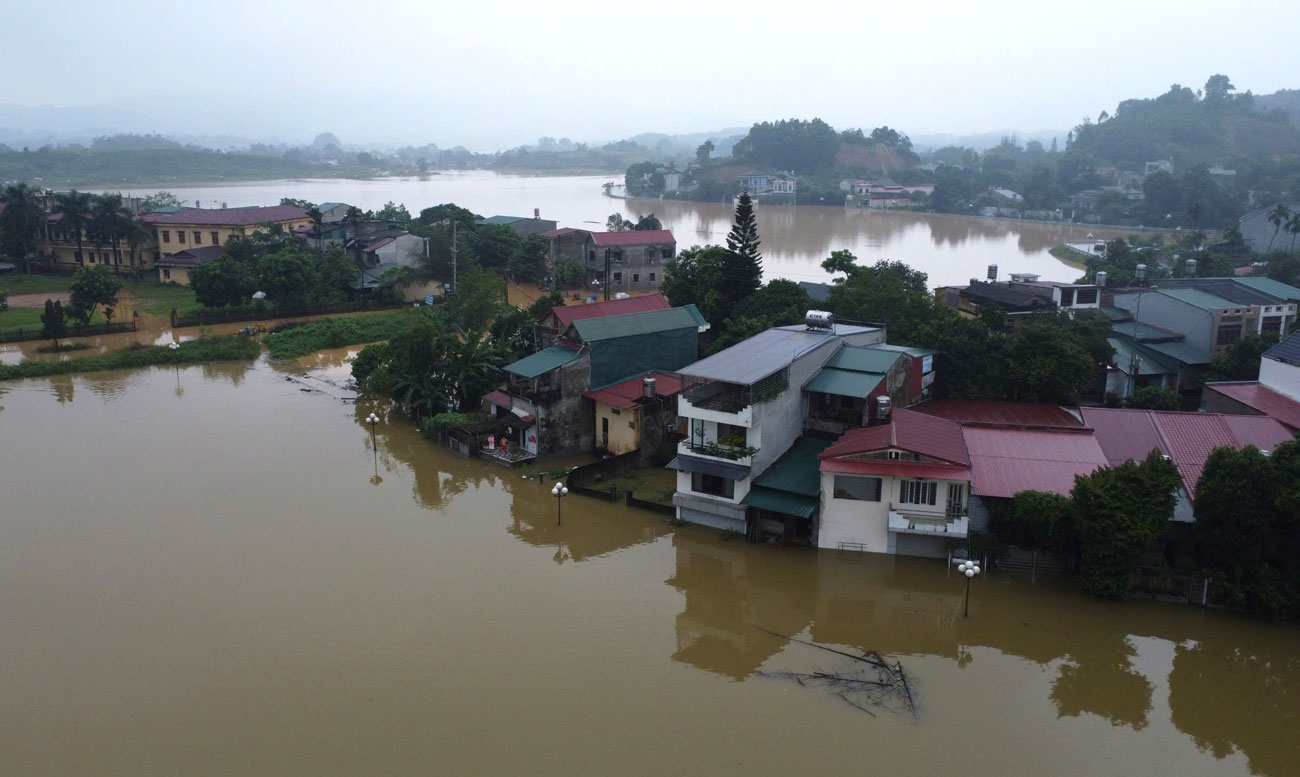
637	414
58	247
188	233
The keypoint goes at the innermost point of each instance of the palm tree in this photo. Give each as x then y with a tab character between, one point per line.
1293	227
317	218
74	209
138	233
354	217
21	217
1278	216
110	222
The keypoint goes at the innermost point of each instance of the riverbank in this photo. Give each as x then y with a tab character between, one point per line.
201	351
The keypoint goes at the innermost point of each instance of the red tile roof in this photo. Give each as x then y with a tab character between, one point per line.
936	438
1007	461
499	398
228	217
624	395
562	231
1186	438
633	237
1262	399
567	314
969	411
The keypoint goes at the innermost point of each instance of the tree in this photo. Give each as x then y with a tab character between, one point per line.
616	223
493	245
1293	228
139	233
571	274
528	262
287	277
159	201
694	276
1153	398
1118	512
393	211
446	213
1241	360
889	293
110	222
21	220
317	220
781	302
91	288
53	322
703	151
73	209
647	223
477	299
1217	88
1279	216
223	282
742	271
1038	520
1046	362
353	216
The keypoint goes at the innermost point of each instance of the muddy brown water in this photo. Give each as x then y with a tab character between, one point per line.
795	239
198	576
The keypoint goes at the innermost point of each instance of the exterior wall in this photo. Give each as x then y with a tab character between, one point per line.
406	250
571	246
564	416
179	275
61	245
526	227
708	510
1281	377
641	267
1195	324
853	521
920	545
624	428
173	238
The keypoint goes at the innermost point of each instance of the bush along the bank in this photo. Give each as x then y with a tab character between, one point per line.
202	351
335	333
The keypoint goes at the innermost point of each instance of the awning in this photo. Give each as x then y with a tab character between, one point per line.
709	467
781	501
845	383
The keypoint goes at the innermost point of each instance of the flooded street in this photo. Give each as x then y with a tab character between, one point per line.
201	578
950	249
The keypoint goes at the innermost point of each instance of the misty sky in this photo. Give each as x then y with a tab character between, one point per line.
493	74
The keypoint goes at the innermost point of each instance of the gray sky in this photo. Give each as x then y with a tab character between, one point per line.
491	74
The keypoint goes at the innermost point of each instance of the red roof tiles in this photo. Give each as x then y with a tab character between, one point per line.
1263	399
228	217
968	411
567	314
624	395
1007	461
935	438
633	237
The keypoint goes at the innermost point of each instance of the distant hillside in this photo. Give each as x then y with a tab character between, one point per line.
59	167
1216	128
1287	100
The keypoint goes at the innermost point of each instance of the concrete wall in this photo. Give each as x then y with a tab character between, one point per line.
1195	324
1281	377
852	520
565	424
624	428
638	263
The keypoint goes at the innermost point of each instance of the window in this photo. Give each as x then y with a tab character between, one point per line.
666	253
618	277
1228	334
1271	324
91	254
697	431
732	435
167	236
860	489
216	240
167	274
180	236
636	277
652	277
591	256
918	492
1085	297
198	238
1067	298
713	485
956	500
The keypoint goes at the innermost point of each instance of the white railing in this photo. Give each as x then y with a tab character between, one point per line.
926	523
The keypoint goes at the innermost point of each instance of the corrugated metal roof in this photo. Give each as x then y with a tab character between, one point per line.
1127	354
544	360
907	349
240	217
1199	298
1024	414
1005	462
798	471
624	395
908	430
632	324
1269	286
751	360
863	359
1181	352
1263	399
1186	438
782	502
567	314
845	383
1287	351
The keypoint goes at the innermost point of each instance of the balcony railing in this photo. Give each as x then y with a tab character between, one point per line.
929	523
729	452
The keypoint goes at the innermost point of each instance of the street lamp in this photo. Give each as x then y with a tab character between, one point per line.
174	346
970	569
373	419
559	491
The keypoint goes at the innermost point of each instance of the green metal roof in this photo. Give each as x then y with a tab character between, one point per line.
504	220
860	359
799	470
1270	286
542	361
907	349
1153	362
780	502
846	383
631	324
1180	352
1201	299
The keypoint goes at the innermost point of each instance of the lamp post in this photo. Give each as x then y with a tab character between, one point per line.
373	419
559	491
970	569
174	346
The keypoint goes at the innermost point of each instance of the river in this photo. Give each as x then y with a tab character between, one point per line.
795	239
202	576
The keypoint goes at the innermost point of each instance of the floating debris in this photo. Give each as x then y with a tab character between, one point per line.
860	681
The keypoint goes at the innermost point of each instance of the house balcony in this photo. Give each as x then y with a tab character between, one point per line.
937	522
714	451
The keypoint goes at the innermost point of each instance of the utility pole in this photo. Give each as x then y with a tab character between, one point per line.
453	256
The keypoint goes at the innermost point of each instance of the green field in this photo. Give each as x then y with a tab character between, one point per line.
14	282
158	299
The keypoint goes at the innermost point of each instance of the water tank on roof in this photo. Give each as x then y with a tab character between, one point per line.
1140	273
884	408
993	272
1189	268
1101	278
819	320
647	387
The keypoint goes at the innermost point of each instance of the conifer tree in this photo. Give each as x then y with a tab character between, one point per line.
742	273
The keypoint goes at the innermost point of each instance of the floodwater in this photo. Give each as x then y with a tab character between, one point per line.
795	239
210	572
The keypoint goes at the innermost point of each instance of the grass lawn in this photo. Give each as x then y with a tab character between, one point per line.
158	299
15	282
14	319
